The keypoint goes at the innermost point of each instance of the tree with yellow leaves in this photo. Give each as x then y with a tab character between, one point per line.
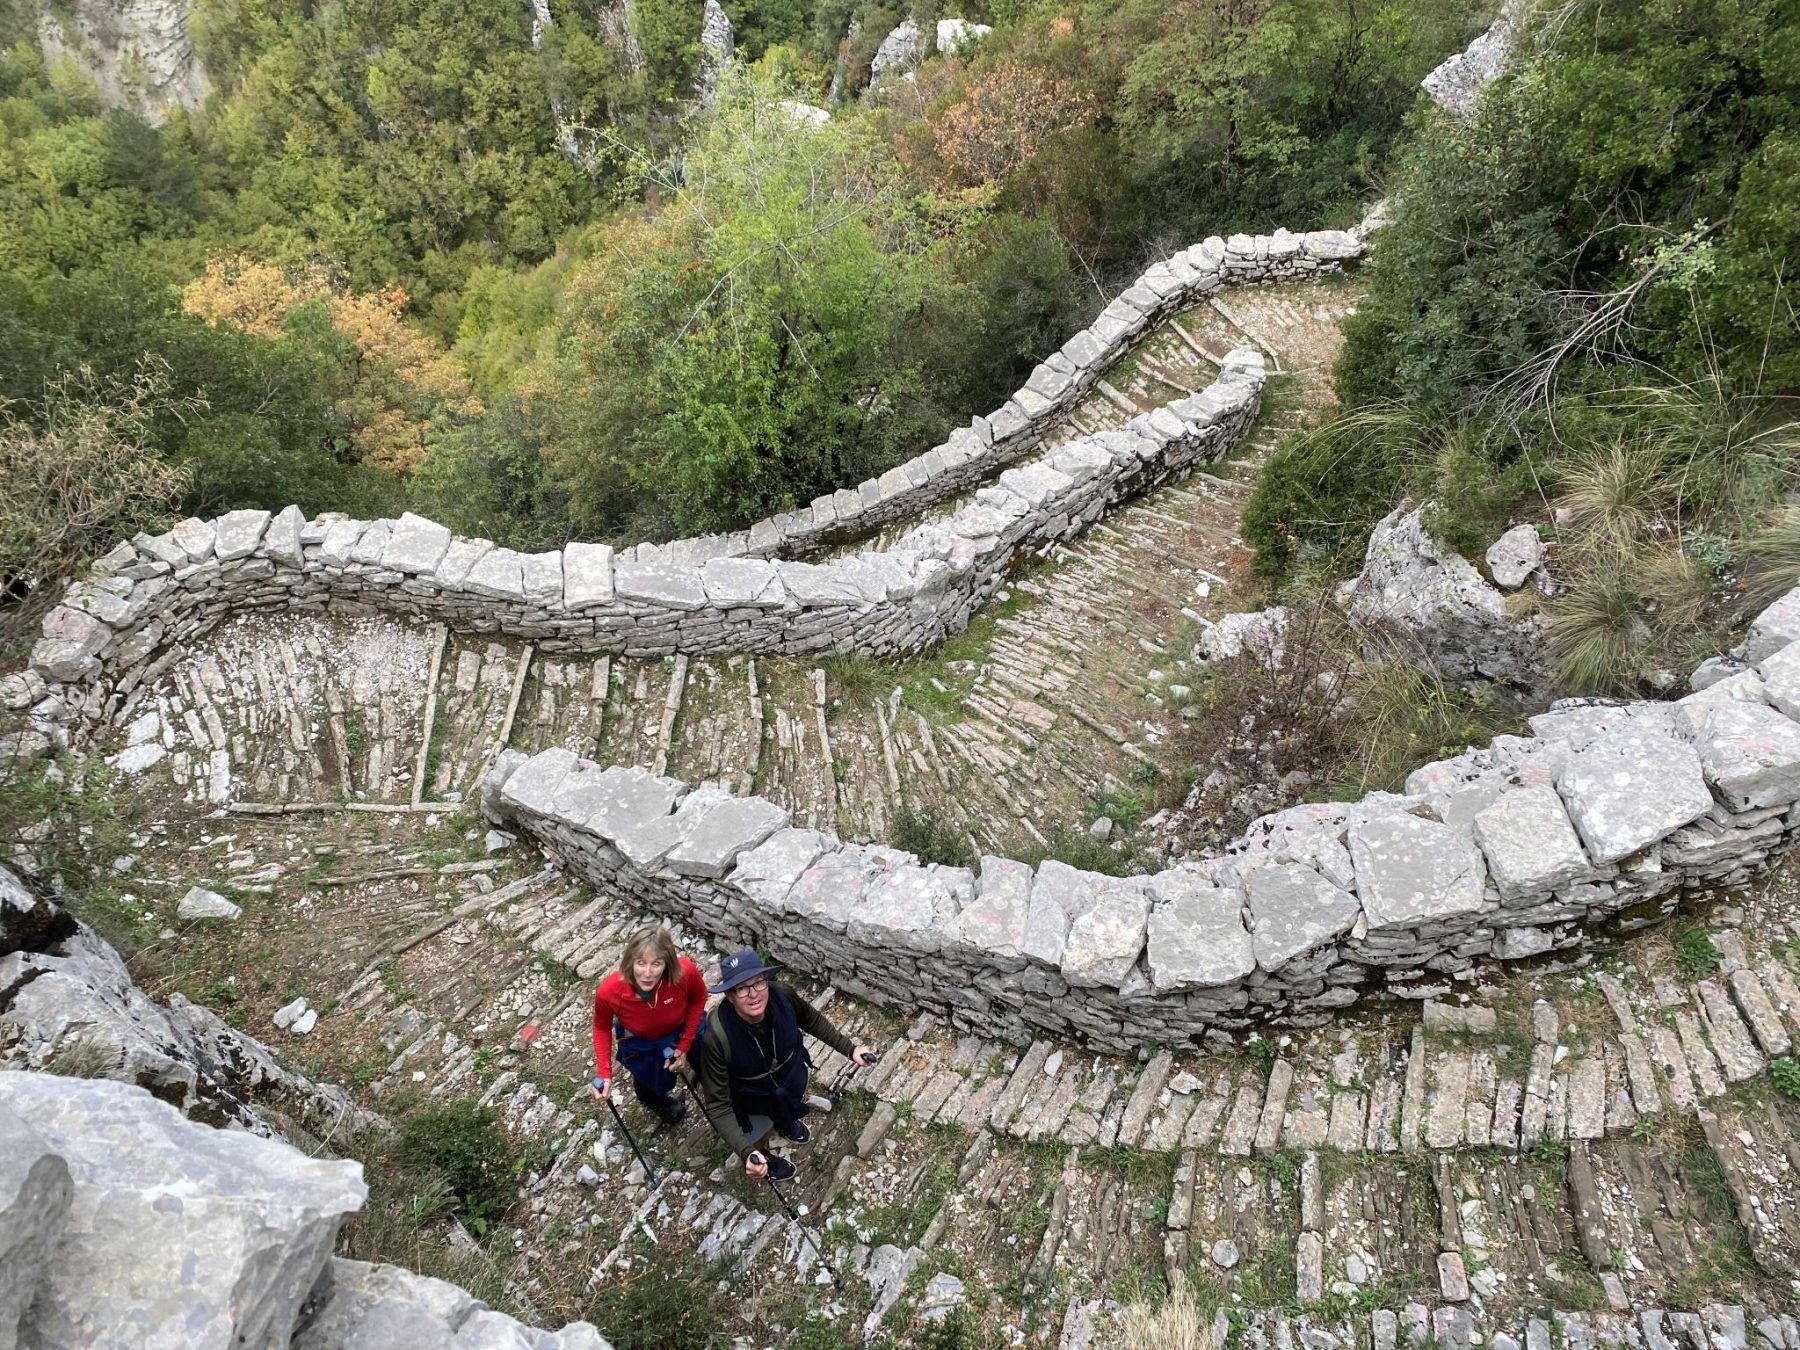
393	385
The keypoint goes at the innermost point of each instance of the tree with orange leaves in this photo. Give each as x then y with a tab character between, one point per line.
393	384
1003	120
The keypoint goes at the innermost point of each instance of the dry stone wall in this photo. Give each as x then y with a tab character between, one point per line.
989	443
1606	815
150	596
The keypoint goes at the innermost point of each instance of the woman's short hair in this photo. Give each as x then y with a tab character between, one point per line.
652	940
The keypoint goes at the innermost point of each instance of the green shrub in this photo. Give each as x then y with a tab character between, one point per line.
1786	1075
932	834
461	1145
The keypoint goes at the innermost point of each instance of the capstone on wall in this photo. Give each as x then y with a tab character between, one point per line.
1606	815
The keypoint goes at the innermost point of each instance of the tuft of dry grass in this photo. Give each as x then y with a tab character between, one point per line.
1175	1324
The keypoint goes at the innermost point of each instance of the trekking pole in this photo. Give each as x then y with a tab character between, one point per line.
643	1162
818	1251
836	1089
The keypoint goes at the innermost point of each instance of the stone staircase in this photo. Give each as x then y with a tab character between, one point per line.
1555	1160
1052	709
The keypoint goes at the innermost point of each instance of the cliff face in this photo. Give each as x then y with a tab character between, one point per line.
137	52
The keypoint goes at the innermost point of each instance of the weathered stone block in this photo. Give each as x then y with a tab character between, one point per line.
498	574
1773	629
1195	933
1411	871
1105	941
237	533
995	920
1293	910
417	545
1750	754
711	843
1629	788
1530	843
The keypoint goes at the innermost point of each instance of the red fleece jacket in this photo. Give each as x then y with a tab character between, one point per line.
674	1005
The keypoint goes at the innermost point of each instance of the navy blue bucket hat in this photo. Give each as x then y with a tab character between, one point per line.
739	967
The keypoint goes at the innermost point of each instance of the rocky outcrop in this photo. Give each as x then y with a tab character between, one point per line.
716	46
1606	815
137	52
901	50
125	1224
68	1002
1456	85
1441	611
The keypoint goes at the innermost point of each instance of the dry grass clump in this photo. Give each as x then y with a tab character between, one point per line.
1174	1324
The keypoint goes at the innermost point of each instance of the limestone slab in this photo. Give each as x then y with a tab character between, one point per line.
995	920
1628	788
237	533
1750	754
1530	843
1293	910
416	546
587	575
1412	871
1195	934
711	844
1105	941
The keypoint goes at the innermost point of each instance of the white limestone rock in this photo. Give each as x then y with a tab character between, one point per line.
1294	910
179	1235
587	575
994	920
416	546
1751	755
71	645
711	842
767	873
1195	934
1692	711
1456	85
281	540
1773	629
237	533
200	903
1780	676
1514	556
1530	843
659	584
1261	634
1105	941
1629	788
1421	591
1411	871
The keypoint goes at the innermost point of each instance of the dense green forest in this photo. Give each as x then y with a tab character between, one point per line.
1583	315
372	271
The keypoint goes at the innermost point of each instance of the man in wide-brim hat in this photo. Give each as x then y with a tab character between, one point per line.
753	1072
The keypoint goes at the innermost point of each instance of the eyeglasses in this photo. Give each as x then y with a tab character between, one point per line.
760	982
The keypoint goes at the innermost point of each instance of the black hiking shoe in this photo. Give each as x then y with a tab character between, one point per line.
796	1132
780	1169
670	1110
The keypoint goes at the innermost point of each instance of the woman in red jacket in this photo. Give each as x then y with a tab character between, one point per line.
652	1004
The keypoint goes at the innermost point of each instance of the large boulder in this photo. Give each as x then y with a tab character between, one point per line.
1443	612
124	1224
177	1234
